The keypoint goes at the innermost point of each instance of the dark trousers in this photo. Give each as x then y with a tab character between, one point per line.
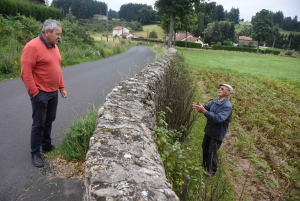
44	106
210	148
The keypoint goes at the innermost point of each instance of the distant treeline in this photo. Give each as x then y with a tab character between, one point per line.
80	9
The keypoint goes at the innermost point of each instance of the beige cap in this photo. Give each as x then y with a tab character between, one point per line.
228	86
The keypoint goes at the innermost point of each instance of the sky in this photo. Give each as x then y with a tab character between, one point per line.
290	8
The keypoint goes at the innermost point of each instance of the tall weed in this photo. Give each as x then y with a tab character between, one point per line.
177	98
75	143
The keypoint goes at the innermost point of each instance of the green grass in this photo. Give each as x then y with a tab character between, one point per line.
158	50
148	29
75	143
282	68
294	53
281	31
239	27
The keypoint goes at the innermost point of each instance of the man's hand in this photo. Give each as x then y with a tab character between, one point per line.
64	93
198	107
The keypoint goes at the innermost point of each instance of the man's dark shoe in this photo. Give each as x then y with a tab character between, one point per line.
209	174
37	160
48	149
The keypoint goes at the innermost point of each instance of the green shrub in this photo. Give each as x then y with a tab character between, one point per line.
153	34
178	108
38	11
188	44
147	40
245	49
289	53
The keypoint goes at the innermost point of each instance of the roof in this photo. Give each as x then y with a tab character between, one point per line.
181	35
190	38
245	38
119	28
193	39
126	33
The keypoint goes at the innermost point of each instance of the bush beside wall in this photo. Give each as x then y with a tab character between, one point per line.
37	11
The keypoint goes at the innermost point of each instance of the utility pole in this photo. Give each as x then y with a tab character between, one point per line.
122	28
290	43
106	22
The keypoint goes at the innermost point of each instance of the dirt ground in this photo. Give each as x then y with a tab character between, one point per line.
63	169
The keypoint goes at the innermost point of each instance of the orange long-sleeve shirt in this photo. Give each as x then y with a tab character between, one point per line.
41	68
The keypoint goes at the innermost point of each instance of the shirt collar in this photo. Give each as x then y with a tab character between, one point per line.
220	102
45	43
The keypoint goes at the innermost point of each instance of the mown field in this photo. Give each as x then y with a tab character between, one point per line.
260	156
148	28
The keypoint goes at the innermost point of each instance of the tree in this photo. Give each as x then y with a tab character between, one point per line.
112	14
218	13
173	8
165	24
146	15
153	34
262	26
287	24
234	15
204	12
278	19
130	12
189	23
80	9
220	32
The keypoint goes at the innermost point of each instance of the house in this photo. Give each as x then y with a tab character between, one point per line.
100	17
122	31
182	36
119	30
246	40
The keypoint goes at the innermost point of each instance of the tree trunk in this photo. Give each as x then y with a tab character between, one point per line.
172	19
273	43
257	49
165	40
185	38
174	39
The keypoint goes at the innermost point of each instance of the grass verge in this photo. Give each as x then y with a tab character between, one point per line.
75	143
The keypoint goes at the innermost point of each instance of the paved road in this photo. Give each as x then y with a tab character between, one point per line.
86	84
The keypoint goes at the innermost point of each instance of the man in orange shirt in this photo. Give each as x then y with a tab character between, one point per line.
42	76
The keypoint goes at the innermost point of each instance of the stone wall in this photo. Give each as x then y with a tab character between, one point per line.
123	162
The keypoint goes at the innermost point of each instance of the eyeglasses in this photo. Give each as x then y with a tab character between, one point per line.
222	88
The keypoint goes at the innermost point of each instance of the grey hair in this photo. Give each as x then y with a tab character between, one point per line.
50	25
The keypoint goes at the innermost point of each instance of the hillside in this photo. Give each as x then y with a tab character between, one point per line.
148	28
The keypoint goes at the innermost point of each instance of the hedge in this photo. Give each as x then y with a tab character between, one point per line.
244	49
276	52
28	9
147	40
188	45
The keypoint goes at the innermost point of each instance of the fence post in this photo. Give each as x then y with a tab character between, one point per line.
185	188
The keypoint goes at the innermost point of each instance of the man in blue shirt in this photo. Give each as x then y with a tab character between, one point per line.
217	113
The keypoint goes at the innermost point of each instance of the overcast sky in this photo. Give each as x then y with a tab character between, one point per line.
290	8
